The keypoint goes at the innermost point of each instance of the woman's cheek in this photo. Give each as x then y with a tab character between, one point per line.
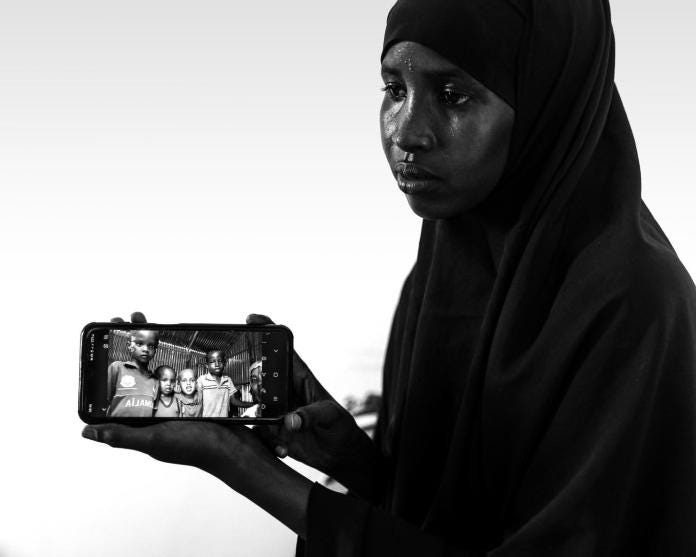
387	129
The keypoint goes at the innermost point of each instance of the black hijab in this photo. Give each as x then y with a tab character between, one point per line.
545	405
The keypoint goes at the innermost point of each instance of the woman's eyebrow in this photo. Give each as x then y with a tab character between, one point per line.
386	69
447	73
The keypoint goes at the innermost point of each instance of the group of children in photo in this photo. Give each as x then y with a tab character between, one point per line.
133	391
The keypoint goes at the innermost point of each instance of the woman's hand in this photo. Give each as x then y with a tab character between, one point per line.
323	434
214	448
235	454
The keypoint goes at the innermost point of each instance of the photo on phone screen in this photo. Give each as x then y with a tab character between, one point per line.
152	372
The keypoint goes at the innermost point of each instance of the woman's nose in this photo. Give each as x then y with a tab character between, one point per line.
413	131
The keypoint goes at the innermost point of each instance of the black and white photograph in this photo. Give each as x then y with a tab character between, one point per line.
468	222
179	374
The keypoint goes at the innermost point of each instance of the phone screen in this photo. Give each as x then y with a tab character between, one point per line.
151	372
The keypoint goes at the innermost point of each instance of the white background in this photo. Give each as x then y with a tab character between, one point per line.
200	161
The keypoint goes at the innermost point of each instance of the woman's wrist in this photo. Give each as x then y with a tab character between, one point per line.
269	483
361	470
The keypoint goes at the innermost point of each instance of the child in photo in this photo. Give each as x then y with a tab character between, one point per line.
256	389
189	400
167	404
131	389
214	388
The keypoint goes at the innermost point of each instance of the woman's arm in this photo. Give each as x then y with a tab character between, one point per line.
332	524
234	455
344	525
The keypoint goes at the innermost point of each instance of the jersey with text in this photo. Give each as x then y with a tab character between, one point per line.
133	392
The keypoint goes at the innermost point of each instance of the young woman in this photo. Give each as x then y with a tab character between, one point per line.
539	386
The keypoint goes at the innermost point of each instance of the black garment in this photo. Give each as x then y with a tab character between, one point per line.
565	377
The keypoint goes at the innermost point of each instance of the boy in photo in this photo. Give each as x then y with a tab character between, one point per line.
189	398
167	404
216	390
131	389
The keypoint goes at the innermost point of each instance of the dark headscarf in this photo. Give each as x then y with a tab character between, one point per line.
545	405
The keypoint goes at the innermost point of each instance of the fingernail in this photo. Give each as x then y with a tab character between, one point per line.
295	422
90	433
281	451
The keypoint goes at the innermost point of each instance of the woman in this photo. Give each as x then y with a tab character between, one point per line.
539	381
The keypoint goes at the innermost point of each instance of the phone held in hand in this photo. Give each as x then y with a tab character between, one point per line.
144	373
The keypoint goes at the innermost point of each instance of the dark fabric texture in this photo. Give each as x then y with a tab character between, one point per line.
545	406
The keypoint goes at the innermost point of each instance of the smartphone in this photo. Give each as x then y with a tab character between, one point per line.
137	373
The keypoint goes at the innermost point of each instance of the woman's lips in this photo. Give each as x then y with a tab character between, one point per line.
413	179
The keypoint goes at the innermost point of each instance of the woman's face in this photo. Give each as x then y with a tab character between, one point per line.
445	135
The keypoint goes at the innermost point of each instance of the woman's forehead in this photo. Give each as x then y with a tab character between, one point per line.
412	56
410	59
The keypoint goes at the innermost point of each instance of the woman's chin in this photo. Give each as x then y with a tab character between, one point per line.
430	208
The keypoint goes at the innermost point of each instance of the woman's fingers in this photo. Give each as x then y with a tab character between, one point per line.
136	317
194	444
319	434
278	439
292	422
273	438
258	319
270	436
323	414
121	436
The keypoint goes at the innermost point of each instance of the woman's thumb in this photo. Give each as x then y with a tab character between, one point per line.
318	414
258	319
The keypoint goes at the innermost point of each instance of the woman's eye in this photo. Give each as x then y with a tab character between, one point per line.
394	90
450	96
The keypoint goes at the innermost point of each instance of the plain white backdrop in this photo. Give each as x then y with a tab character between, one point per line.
200	161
